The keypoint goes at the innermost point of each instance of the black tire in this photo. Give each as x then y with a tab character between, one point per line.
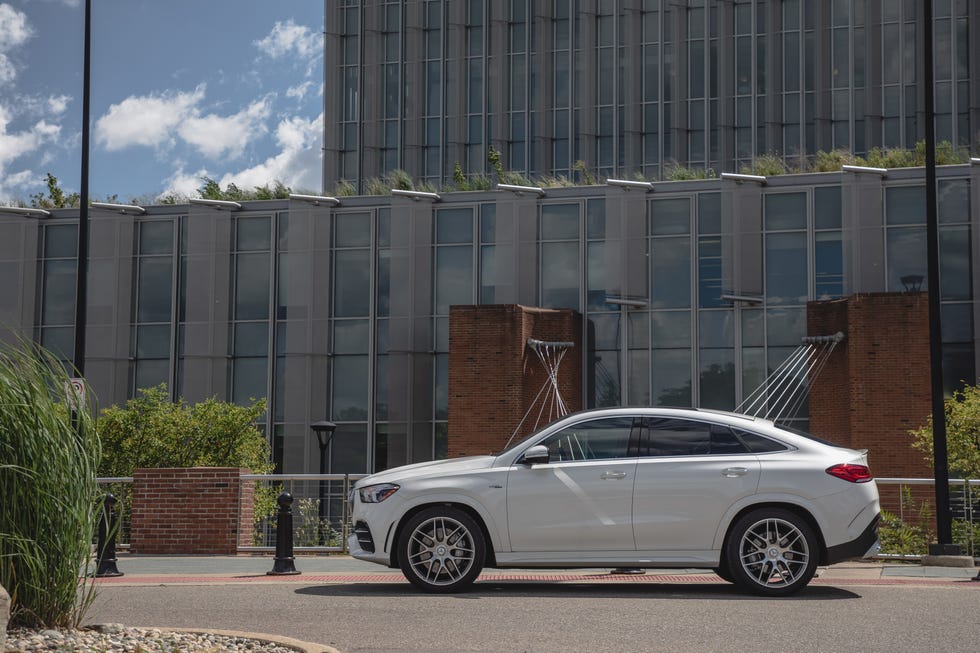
441	550
771	552
722	571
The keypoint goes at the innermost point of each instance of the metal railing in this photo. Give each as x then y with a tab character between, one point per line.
322	524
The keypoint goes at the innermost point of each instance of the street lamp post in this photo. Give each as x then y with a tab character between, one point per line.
324	434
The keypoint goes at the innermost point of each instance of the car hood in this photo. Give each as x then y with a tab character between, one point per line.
431	468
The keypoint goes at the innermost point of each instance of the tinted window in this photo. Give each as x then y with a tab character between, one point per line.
592	440
758	444
678	437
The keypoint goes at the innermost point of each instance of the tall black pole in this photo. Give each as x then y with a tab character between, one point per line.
944	527
81	278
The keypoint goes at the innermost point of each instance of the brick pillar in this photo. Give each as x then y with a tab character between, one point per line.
494	378
875	386
201	510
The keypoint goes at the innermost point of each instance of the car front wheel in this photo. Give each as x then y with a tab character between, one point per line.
771	552
441	549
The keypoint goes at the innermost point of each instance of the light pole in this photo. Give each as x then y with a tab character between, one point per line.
81	279
324	434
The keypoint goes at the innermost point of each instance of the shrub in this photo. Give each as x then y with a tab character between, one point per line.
50	500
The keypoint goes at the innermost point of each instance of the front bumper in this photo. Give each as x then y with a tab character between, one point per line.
863	546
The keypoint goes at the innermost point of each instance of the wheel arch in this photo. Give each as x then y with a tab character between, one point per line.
794	508
469	510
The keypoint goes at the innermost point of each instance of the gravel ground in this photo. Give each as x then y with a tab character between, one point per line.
114	638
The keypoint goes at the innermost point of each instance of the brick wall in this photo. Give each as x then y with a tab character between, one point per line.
200	510
494	377
875	386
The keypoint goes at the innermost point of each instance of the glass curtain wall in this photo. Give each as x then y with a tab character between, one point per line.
57	269
151	331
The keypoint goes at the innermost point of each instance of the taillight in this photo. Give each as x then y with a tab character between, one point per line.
851	473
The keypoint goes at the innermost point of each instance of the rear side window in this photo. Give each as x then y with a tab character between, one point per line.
593	440
759	444
680	437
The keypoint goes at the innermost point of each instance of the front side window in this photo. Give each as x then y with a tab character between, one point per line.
597	439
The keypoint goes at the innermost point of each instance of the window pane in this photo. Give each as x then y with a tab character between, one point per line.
671	370
350	337
254	234
157	237
676	437
786	267
717	387
905	205
454	277
670	267
827	207
352	229
709	272
250	379
954	262
251	287
454	226
352	283
671	329
716	328
350	388
61	241
670	217
593	440
559	275
252	339
155	290
709	213
954	201
59	292
906	256
786	211
828	265
153	342
151	373
559	222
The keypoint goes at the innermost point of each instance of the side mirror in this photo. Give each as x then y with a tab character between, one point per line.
536	455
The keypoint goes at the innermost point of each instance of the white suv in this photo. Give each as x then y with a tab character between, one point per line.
760	505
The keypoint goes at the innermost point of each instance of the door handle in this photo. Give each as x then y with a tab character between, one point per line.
612	476
732	472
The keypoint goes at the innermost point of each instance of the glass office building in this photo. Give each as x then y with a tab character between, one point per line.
342	312
633	87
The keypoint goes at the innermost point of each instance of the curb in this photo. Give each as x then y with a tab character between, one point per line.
306	647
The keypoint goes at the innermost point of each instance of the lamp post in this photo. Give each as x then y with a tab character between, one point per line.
324	434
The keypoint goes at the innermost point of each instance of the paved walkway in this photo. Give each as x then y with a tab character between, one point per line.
145	569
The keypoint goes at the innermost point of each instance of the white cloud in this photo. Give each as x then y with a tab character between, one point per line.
15	144
14	32
183	184
215	136
14	28
299	91
298	163
149	120
288	37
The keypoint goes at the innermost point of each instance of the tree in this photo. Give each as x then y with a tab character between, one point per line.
962	433
152	431
56	197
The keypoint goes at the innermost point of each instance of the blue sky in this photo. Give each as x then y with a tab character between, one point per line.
180	89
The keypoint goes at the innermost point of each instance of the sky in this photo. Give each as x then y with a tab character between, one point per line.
180	90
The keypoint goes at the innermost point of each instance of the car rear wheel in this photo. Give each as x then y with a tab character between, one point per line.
441	549
771	552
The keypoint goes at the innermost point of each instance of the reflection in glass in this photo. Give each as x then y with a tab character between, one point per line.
954	200
670	268
253	234
350	388
605	389
785	211
785	326
638	371
59	292
454	226
786	268
454	277
352	283
251	287
560	275
717	379
352	229
250	379
905	205
671	329
955	277
671	371
828	265
559	222
906	256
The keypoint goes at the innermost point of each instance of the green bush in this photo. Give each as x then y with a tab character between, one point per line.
50	500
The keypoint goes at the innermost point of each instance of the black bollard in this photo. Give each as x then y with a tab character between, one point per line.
106	545
284	538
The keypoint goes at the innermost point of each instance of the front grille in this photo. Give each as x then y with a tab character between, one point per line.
364	538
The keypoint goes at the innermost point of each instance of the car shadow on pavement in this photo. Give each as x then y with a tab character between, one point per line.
490	589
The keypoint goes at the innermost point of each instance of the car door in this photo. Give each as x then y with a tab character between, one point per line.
581	500
687	476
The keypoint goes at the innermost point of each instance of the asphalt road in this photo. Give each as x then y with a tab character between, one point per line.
512	617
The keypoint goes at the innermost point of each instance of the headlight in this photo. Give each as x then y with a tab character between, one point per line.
377	493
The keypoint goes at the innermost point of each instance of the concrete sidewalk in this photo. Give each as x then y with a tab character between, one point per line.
180	569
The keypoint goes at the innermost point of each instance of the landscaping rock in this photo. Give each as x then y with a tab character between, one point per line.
4	615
